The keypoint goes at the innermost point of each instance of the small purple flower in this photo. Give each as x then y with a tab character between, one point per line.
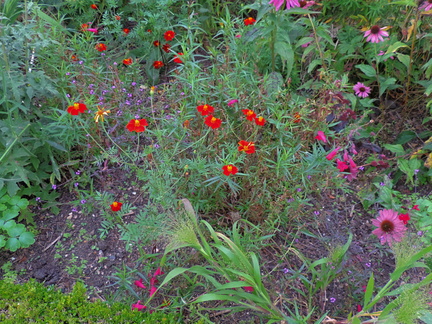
113	87
76	184
420	233
156	146
77	172
316	212
416	171
368	264
38	198
54	187
81	62
67	73
129	95
83	201
309	177
332	300
137	116
102	54
299	190
91	92
127	102
361	168
382	184
115	63
74	210
133	84
73	81
68	95
285	270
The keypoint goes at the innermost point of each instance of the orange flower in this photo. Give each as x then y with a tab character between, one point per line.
137	125
229	169
126	30
177	59
249	21
101	47
74	58
93	6
117	17
213	122
100	114
297	118
247	147
84	27
116	206
250	114
127	61
169	35
166	48
149	30
260	121
205	109
77	108
158	64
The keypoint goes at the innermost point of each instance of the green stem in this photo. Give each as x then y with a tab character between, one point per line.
13	143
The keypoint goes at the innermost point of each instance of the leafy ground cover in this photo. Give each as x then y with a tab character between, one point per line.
244	161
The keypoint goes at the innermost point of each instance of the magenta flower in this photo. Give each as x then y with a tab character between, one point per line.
361	90
152	290
139	283
375	34
232	102
333	153
353	169
93	30
138	306
277	3
321	136
341	165
426	5
390	228
292	4
158	272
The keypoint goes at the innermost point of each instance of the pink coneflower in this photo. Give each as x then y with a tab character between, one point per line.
292	4
277	3
390	228
427	5
361	90
375	34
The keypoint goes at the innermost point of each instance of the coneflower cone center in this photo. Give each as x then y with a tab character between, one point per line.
362	89
387	226
375	30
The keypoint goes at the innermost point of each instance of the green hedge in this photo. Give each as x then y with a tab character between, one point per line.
32	302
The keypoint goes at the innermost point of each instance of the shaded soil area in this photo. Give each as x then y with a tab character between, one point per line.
69	248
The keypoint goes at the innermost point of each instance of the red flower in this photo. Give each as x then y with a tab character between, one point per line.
93	6
127	61
138	306
84	27
249	21
126	30
321	137
74	58
169	35
404	218
137	125
158	64
416	207
152	290
117	17
149	30
250	115
177	59
76	108
332	154
247	147
116	206
341	165
101	47
260	121
156	43
139	283
158	272
297	118
229	169
213	122
248	289
205	109
166	48
359	308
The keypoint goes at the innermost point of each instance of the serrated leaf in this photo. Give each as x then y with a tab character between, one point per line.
405	137
16	230
396	148
10	213
368	70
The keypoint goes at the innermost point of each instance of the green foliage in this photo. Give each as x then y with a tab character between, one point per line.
12	235
33	302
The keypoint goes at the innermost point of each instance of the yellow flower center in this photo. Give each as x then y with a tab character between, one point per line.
137	123
115	203
229	168
76	105
213	120
250	112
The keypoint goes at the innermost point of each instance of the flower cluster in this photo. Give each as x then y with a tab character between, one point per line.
251	116
153	282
